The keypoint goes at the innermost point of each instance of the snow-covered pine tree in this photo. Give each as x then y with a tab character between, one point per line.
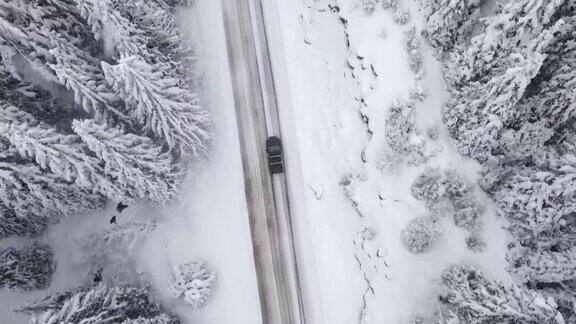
118	33
28	268
160	103
490	76
30	225
143	28
193	283
29	29
99	304
450	22
551	96
29	191
64	155
543	266
80	73
512	31
537	199
479	111
50	55
34	100
133	161
469	297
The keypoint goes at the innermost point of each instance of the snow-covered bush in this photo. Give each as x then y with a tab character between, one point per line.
421	234
460	192
193	283
100	304
414	54
369	5
468	296
418	93
28	268
389	3
433	133
403	137
475	243
426	186
402	17
449	194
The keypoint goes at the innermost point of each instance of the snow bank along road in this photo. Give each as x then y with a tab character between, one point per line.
255	102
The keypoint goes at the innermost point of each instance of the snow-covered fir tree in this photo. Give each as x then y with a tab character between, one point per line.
192	283
82	74
65	155
450	22
468	296
27	225
99	304
512	108
120	236
159	103
490	76
51	72
135	162
543	266
28	268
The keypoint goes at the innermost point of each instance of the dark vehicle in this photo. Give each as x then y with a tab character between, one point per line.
275	160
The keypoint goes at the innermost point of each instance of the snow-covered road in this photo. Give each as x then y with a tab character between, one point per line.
266	195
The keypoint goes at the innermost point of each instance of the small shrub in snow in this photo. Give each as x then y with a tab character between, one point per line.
28	268
389	4
421	234
403	137
369	5
460	192
475	243
426	187
108	252
402	17
433	133
414	55
467	213
418	93
122	235
193	283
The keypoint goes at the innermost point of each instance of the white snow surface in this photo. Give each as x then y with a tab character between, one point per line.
210	222
354	268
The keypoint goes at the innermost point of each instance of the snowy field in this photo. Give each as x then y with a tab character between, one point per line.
345	66
209	223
